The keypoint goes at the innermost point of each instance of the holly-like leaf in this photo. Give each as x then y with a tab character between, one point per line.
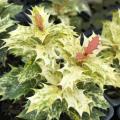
5	23
110	38
44	98
77	100
6	12
53	53
30	71
10	9
69	7
92	45
13	85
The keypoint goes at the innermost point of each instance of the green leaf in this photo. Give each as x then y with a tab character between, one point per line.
10	9
44	98
5	23
77	100
30	71
110	37
10	86
69	7
95	115
34	115
6	11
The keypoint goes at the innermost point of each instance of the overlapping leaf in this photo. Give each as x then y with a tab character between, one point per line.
10	9
11	86
54	49
111	38
7	11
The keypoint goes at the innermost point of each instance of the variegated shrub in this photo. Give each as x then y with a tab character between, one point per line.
64	76
6	12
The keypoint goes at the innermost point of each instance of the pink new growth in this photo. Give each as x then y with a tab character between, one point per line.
92	45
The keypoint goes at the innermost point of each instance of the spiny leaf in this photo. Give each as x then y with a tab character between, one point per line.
92	45
5	23
44	98
11	86
110	38
69	6
30	71
76	99
10	9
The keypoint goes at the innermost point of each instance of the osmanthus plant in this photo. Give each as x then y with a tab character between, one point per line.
7	11
66	9
111	38
69	12
5	14
64	76
11	9
5	23
70	7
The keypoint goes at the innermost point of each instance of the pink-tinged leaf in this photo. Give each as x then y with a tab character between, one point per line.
39	22
92	45
80	56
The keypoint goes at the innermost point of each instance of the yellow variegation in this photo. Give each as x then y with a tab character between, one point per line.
47	96
50	58
69	7
111	38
